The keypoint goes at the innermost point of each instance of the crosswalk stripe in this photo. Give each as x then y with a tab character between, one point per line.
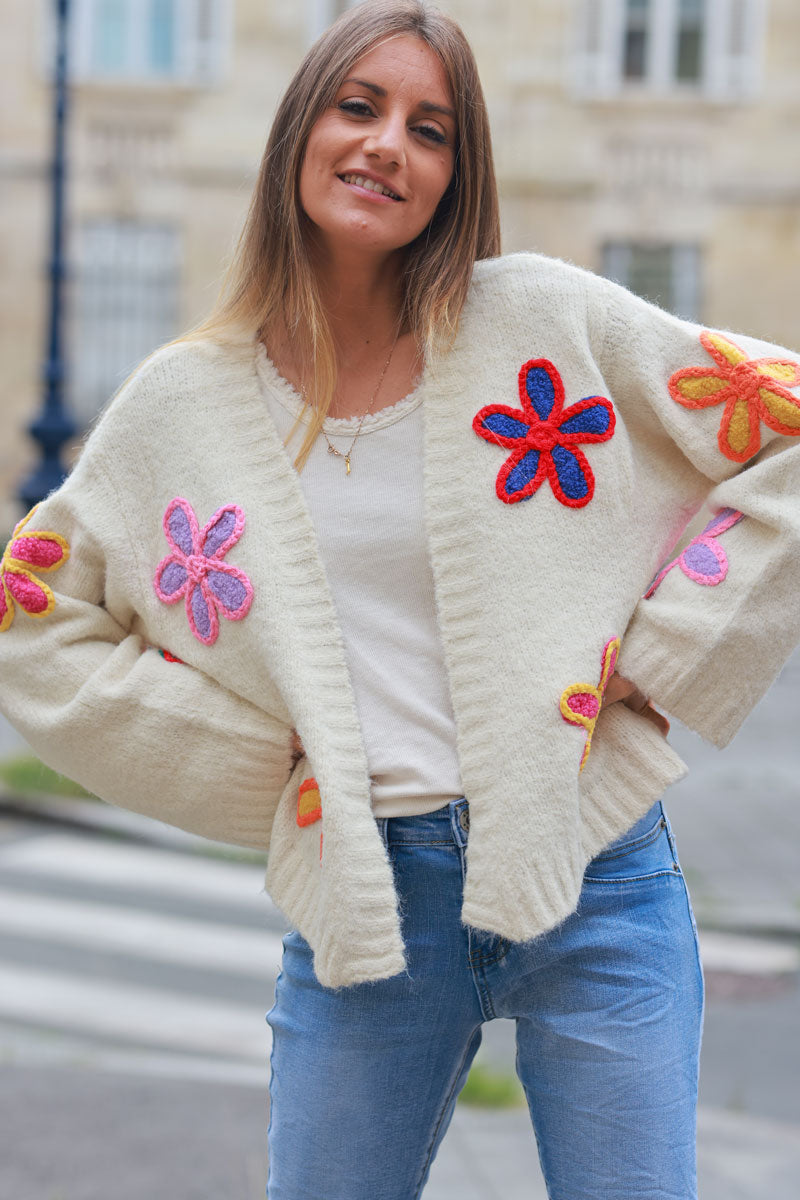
175	940
27	1047
91	861
747	955
132	1013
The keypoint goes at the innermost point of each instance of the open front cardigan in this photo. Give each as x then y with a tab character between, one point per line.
165	617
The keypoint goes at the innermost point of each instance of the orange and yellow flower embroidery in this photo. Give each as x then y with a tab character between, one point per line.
752	389
309	805
44	551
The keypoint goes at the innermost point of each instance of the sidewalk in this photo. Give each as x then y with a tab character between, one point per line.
742	868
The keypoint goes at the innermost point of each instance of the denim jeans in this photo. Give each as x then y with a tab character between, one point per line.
608	1009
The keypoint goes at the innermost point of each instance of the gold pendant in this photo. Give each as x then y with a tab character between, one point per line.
347	460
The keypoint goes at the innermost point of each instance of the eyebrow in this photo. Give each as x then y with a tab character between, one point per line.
425	105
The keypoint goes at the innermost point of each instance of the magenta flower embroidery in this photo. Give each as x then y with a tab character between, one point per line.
196	572
703	560
26	556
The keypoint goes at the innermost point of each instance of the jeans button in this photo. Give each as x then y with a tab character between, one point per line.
463	819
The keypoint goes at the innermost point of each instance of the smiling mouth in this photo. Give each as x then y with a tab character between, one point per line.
370	185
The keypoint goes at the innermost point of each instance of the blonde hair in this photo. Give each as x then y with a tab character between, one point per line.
270	272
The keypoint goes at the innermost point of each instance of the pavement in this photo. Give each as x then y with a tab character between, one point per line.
136	968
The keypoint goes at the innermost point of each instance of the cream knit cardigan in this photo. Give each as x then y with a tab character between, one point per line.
528	595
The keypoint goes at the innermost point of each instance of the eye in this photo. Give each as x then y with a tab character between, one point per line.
431	132
359	107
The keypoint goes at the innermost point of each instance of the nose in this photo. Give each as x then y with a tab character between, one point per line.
387	141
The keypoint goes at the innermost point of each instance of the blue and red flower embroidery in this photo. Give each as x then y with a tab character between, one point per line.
544	437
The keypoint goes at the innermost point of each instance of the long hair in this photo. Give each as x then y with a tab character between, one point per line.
270	272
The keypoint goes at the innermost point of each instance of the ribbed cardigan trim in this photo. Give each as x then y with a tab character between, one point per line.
346	904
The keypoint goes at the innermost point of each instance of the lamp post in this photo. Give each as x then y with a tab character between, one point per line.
53	426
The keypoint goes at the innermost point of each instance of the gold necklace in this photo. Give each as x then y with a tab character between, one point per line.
331	448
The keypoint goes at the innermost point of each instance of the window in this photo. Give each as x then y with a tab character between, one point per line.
689	35
666	274
710	46
637	34
124	304
178	41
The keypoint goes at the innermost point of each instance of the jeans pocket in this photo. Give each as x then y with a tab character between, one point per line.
649	852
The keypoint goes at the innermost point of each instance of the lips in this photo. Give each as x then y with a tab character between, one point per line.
371	185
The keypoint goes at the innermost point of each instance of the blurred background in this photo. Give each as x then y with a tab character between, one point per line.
654	141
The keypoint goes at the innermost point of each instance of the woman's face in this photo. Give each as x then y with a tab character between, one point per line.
392	126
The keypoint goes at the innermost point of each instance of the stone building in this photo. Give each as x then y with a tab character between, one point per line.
653	140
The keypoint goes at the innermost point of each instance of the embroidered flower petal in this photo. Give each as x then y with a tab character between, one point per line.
781	411
726	518
521	475
580	703
571	476
202	613
590	420
658	579
222	531
739	435
584	704
171	658
699	387
704	561
726	352
608	662
782	369
541	383
171	579
45	551
180	526
34	597
309	802
500	424
6	606
231	589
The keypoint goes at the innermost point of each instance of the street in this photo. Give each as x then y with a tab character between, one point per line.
134	981
135	975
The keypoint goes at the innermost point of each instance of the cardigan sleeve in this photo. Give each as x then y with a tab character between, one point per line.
101	706
721	413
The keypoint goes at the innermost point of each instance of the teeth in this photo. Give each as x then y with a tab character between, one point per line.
370	185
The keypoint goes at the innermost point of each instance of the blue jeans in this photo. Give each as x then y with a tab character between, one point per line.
608	1010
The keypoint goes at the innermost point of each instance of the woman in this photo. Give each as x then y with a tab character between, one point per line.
413	699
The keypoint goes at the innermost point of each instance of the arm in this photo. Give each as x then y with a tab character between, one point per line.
722	414
100	706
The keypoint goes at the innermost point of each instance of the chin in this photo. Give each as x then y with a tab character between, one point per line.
359	233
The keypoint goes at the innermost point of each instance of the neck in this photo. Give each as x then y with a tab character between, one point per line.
361	296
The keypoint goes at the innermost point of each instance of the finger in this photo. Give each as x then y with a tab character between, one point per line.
636	700
617	688
656	718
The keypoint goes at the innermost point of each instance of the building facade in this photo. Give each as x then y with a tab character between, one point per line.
652	140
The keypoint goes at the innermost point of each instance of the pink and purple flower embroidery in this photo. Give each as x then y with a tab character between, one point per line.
703	560
35	551
544	436
195	570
